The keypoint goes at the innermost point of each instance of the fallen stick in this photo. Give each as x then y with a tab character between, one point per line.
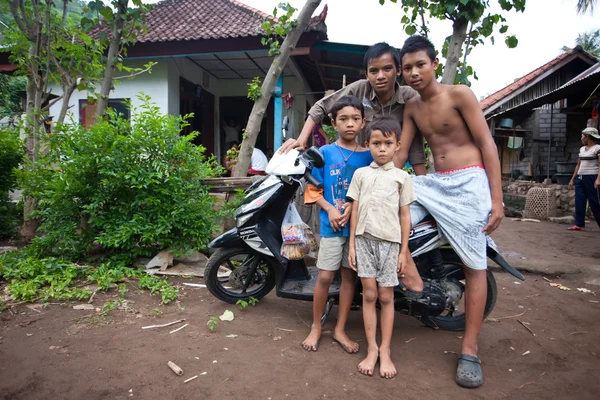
287	348
302	319
509	316
528	383
526	327
190	379
92	297
546	279
450	352
175	368
286	330
409	340
178	329
578	333
163	325
195	285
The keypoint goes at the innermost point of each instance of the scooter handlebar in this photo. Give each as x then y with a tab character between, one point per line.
311	179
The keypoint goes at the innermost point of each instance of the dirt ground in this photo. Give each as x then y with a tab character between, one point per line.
61	353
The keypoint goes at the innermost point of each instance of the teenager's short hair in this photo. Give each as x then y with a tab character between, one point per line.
233	143
379	49
417	43
387	125
347	101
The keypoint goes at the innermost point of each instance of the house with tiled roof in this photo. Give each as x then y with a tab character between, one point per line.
207	52
538	137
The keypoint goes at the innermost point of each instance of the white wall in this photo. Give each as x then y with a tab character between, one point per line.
153	85
162	85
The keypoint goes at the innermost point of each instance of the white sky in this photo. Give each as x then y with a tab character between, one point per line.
544	27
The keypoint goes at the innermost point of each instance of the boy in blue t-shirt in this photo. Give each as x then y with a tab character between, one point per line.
342	158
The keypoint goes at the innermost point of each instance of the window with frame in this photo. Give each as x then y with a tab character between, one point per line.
87	110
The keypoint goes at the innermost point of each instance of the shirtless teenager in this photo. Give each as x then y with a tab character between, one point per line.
466	186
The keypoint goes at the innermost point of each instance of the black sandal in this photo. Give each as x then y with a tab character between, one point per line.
469	373
407	292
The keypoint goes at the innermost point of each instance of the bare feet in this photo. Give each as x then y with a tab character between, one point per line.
386	366
367	366
311	343
347	344
411	279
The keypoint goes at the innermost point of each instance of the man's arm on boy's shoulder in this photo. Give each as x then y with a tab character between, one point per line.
469	108
409	128
317	114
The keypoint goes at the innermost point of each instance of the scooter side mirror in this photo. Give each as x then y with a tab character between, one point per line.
315	157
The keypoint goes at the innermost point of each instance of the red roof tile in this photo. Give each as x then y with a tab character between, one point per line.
180	20
519	83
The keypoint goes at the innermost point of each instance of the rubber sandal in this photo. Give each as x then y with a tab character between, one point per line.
468	373
407	292
576	228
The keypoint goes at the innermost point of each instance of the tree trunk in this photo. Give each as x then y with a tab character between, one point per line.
67	92
111	61
259	108
32	111
459	35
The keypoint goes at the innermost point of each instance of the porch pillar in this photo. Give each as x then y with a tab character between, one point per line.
278	113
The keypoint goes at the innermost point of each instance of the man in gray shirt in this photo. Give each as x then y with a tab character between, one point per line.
380	94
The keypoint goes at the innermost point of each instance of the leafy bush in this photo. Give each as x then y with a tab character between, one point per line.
11	156
131	187
32	276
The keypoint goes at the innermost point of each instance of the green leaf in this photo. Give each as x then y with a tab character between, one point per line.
410	30
404	19
504	28
506	5
512	41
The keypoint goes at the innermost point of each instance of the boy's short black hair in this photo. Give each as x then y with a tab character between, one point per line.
417	43
347	101
387	125
379	49
233	143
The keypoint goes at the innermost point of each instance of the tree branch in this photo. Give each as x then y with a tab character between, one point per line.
135	73
23	25
464	66
422	12
52	102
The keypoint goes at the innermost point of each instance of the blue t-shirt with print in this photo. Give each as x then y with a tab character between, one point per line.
336	175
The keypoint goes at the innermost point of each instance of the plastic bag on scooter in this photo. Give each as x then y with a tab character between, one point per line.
293	229
298	238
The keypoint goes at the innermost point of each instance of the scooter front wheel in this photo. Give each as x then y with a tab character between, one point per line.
238	273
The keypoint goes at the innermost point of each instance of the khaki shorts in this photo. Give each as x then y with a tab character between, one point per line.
333	252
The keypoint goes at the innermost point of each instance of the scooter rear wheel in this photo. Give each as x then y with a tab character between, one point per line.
238	273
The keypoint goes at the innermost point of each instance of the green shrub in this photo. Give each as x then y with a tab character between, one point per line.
11	156
129	186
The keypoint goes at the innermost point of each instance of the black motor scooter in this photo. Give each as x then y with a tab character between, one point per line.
247	262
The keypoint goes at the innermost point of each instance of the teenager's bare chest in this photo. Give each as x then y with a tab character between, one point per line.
438	118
